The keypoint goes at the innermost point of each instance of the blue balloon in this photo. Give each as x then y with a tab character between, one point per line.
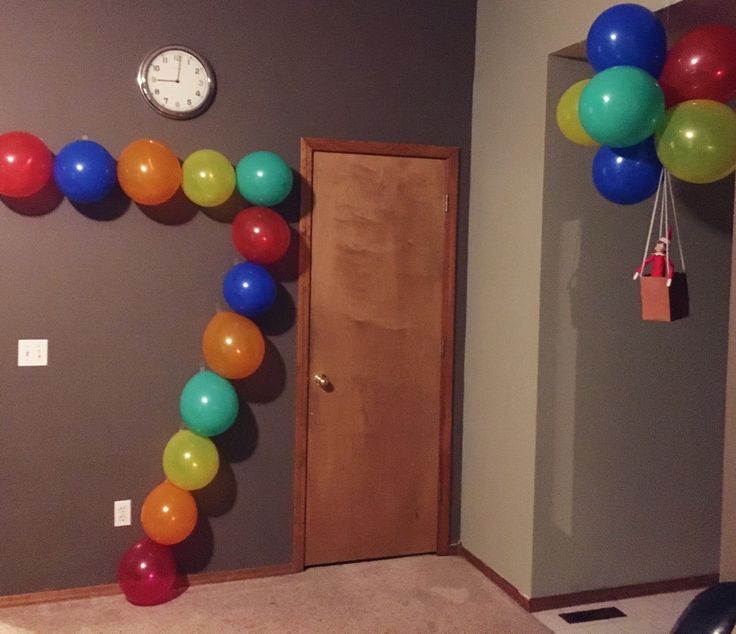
249	289
627	35
628	175
84	171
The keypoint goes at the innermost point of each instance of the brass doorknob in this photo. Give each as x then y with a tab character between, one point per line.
321	380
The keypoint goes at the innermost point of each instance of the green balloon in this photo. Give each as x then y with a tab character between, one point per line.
208	404
696	141
190	461
621	106
263	178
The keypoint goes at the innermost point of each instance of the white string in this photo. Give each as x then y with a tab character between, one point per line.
651	222
674	217
666	234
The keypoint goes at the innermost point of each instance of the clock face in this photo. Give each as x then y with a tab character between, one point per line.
177	82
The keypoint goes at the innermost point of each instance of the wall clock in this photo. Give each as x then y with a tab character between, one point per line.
177	82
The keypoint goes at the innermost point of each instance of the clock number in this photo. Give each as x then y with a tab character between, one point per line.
165	60
166	100
156	92
156	67
199	94
196	71
177	104
189	102
177	58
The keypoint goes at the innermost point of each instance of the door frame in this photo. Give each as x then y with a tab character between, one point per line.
450	155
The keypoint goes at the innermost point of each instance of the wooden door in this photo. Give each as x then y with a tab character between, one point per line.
375	350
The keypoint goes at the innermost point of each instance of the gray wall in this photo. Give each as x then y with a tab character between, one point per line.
630	418
123	298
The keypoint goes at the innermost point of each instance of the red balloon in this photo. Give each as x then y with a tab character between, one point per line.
260	235
147	573
26	164
701	65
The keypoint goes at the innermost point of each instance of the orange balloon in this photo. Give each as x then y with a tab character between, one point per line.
149	172
232	345
168	514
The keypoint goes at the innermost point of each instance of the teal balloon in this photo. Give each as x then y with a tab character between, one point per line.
208	404
263	178
621	106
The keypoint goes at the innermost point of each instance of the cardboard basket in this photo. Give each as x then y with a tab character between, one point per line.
662	303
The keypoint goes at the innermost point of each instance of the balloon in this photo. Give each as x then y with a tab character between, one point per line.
232	345
208	178
147	572
190	461
627	35
627	175
249	289
701	65
263	178
568	119
621	106
149	172
208	404
168	514
25	164
696	141
84	171
260	235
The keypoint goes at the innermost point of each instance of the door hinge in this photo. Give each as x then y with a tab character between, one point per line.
447	203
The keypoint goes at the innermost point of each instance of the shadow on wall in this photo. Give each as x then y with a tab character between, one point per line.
630	413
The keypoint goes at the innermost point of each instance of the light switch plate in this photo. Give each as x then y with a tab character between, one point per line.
33	352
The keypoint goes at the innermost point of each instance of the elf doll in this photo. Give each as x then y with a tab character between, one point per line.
661	265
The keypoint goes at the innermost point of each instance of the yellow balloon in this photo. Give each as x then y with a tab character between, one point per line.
208	178
696	141
567	115
190	461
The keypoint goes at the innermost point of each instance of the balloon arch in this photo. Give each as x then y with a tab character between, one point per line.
232	344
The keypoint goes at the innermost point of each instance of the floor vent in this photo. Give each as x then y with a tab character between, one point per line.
598	614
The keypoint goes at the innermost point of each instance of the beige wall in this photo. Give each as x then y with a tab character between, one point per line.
514	39
728	518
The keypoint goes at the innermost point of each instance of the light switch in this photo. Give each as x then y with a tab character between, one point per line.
33	352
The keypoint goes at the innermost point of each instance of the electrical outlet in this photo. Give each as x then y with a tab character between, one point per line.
33	352
122	513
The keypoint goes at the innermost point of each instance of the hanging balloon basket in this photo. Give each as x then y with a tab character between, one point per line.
664	292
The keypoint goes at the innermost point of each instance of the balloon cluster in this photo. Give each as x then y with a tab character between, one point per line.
147	171
650	108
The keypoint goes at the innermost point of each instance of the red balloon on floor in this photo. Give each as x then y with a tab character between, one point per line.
147	572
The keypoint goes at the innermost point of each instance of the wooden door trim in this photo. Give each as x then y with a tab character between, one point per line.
451	155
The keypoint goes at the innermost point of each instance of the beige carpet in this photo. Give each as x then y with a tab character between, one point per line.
411	594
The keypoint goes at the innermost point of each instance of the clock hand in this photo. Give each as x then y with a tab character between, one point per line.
171	81
178	71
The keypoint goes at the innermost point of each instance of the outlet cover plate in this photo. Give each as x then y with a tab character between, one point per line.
122	513
33	352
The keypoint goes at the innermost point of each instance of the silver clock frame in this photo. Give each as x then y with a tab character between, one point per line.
162	110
